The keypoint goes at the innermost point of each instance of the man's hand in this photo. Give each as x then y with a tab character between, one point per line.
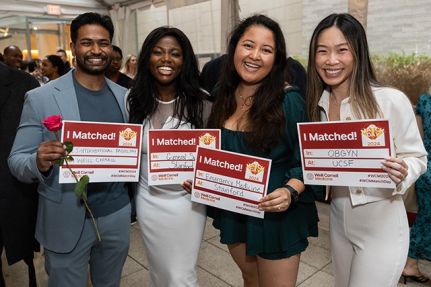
47	153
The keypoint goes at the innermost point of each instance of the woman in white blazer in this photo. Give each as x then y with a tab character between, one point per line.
368	226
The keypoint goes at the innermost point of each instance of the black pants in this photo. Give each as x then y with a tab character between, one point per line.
29	261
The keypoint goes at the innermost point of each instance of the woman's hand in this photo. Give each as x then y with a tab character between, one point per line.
187	185
396	168
277	201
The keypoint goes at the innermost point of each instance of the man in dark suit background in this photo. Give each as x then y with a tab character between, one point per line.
12	56
18	201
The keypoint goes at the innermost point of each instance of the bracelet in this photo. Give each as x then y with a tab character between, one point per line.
294	195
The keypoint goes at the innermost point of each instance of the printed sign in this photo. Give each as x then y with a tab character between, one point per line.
106	152
346	153
230	181
172	153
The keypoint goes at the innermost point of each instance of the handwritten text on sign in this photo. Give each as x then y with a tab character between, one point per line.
172	153
345	153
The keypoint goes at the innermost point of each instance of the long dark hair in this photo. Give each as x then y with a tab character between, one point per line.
189	105
364	105
57	62
266	117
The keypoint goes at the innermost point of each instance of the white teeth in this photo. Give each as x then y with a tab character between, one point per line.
166	69
95	61
251	65
333	72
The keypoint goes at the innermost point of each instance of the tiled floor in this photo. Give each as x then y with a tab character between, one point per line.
216	268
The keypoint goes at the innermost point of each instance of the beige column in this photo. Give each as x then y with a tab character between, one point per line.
359	10
229	18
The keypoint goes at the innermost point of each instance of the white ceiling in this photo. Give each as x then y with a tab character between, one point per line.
11	10
38	8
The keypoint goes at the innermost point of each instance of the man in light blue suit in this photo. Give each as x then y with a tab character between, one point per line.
63	228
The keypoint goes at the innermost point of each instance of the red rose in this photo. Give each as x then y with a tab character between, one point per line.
53	123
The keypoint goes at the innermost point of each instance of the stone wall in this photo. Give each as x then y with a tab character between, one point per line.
402	26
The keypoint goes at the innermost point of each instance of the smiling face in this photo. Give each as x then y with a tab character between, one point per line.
92	49
334	59
166	61
48	69
254	54
13	57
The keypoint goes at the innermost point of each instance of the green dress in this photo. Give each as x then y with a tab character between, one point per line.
281	234
420	234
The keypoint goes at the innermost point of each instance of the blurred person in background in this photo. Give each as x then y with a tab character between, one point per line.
113	72
12	56
130	66
28	66
63	55
18	201
420	233
33	67
37	73
52	67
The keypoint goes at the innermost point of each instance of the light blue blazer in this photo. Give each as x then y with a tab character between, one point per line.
61	216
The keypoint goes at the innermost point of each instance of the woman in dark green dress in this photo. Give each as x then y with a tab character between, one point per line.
258	112
420	233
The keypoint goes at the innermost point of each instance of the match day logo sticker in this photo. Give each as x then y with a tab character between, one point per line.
254	171
207	141
373	136
127	138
